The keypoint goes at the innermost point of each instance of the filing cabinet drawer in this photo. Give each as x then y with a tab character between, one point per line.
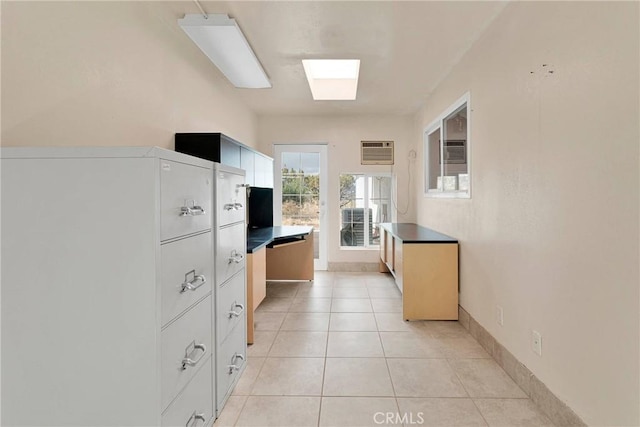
230	305
231	361
185	199
231	198
230	251
186	344
186	273
194	406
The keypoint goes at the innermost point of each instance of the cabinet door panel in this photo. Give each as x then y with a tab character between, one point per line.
398	262
229	153
268	173
247	162
430	281
264	171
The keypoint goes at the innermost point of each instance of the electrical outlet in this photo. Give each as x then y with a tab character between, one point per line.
499	315
536	342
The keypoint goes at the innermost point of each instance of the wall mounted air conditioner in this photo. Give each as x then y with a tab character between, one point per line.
376	152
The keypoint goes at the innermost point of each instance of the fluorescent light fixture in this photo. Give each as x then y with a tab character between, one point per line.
220	38
332	79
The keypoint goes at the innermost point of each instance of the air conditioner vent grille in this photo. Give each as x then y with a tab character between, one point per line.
376	152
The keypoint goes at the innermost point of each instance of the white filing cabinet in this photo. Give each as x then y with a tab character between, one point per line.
107	279
230	279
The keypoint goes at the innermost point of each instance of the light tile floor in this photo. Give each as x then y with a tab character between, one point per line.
336	352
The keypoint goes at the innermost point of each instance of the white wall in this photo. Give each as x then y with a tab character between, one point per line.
551	231
110	73
343	134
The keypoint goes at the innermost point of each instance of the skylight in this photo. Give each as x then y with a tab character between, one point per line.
332	79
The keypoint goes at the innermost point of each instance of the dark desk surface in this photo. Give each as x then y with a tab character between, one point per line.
414	233
259	237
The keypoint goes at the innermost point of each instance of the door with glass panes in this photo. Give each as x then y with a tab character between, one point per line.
300	190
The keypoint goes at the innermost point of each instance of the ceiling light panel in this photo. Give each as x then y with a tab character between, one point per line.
220	38
332	79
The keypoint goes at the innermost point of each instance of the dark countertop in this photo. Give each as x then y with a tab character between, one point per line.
259	237
414	233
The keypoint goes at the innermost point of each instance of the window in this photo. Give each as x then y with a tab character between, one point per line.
301	189
365	202
446	153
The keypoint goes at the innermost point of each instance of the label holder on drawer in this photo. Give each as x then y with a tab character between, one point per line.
236	257
191	209
194	283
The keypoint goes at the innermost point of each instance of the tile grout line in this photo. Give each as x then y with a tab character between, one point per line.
386	361
324	365
237	417
467	391
479	411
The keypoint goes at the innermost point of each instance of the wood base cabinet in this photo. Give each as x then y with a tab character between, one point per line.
291	260
424	264
107	304
256	286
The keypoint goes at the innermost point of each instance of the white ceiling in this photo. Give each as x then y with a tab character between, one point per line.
405	48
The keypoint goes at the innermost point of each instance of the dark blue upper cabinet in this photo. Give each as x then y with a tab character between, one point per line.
218	147
211	146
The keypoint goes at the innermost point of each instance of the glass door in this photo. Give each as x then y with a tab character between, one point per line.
300	190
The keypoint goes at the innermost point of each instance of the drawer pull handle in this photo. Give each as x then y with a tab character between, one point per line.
233	313
195	417
196	210
191	348
233	367
194	283
236	257
233	206
191	209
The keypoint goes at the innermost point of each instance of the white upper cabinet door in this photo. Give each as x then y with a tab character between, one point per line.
264	171
247	162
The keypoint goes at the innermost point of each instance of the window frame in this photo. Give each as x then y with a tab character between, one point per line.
439	123
367	175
